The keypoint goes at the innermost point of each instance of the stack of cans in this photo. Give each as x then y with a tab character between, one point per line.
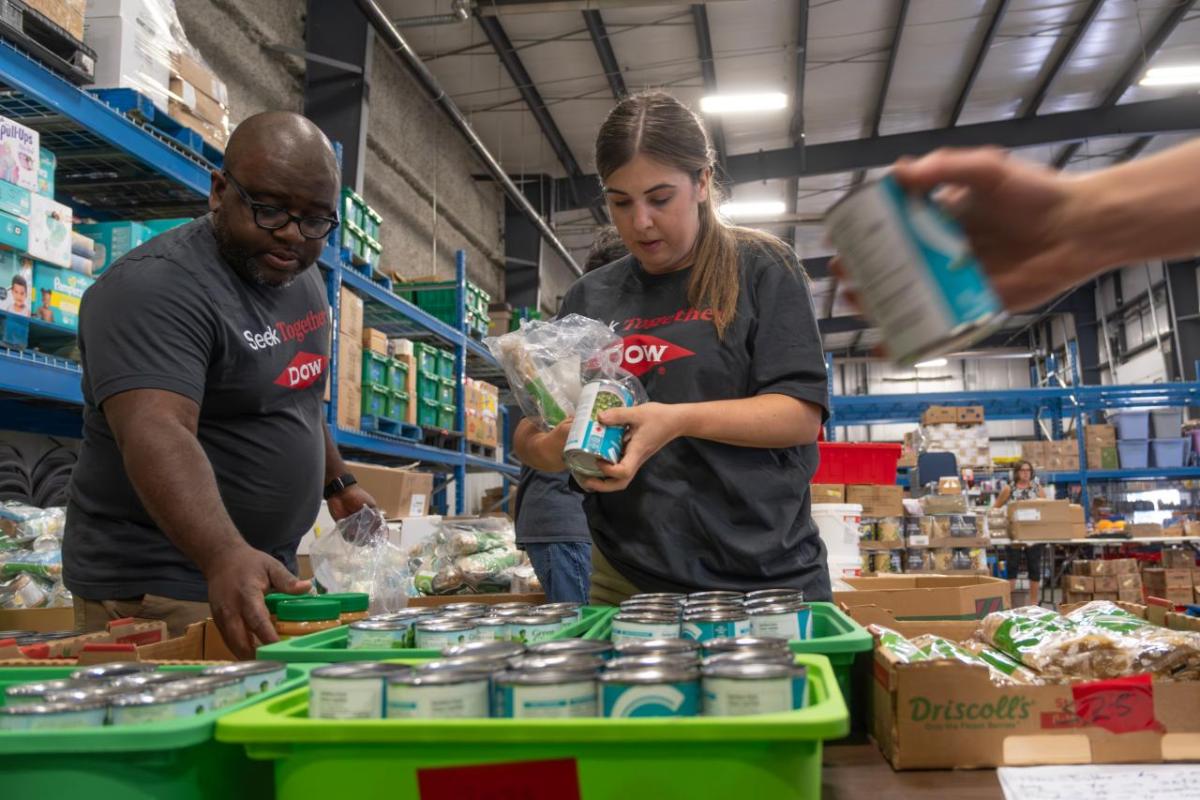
460	623
125	693
664	677
709	615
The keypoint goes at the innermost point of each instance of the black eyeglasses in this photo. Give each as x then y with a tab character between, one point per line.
272	218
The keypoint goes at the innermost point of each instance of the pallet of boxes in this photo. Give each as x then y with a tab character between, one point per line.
881	527
956	429
1177	581
349	360
1110	579
945	538
482	416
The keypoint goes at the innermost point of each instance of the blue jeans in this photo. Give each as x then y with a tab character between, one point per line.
563	568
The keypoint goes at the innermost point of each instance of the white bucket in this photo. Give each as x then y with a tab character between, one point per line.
838	525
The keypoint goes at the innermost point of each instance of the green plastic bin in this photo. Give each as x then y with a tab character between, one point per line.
375	400
446	364
428	411
397	375
446	414
429	386
446	390
397	408
427	357
375	369
178	759
776	756
330	646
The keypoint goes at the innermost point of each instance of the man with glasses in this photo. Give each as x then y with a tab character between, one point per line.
205	354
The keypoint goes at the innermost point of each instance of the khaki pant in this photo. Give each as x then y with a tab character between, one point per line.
94	615
609	587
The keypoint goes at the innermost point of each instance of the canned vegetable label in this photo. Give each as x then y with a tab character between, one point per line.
573	697
913	269
466	697
703	630
667	699
791	622
743	689
590	442
532	630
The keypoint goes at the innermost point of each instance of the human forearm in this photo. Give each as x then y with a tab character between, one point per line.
538	449
768	420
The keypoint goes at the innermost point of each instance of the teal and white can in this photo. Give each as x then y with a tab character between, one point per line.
256	676
733	689
650	692
439	694
570	662
350	691
643	647
380	634
545	694
226	689
533	628
750	656
570	612
409	617
790	621
634	626
491	629
913	269
161	705
733	644
439	634
721	623
53	716
591	443
488	650
560	647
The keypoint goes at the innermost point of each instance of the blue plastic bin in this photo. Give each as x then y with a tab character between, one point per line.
1168	452
1166	423
1132	425
1133	453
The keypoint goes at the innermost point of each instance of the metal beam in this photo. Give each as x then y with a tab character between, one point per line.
1146	52
1066	154
889	67
1135	148
604	51
537	106
796	127
708	70
1183	291
1169	115
980	56
1034	103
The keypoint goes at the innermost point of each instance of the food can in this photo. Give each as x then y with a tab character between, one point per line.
573	611
651	607
469	663
533	628
150	680
733	643
660	597
226	689
913	269
571	662
630	626
439	694
479	609
641	647
650	692
484	649
113	669
774	594
491	629
256	676
716	594
791	621
103	691
380	634
587	647
36	692
456	616
590	443
750	656
677	660
161	704
545	693
715	624
520	606
410	615
439	634
732	689
350	691
39	716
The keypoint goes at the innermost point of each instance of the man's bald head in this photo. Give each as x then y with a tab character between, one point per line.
274	134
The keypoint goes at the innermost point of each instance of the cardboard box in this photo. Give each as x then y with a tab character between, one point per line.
1102	457
1106	583
40	620
200	77
114	239
350	313
936	415
929	596
828	493
349	407
1078	583
1100	434
411	416
947	714
1045	520
944	504
50	231
970	415
1077	597
375	341
66	14
57	294
1145	530
1177	597
1178	559
398	492
19	156
1157	579
132	47
1132	580
877	501
15	201
199	103
350	359
215	135
14	233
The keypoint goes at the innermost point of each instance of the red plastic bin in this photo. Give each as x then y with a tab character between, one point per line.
857	463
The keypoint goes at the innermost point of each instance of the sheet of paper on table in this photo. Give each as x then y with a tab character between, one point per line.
1101	782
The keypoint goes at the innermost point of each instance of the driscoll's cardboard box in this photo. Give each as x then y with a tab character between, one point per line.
949	715
941	597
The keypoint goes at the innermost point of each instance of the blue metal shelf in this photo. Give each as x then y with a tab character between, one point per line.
39	377
486	464
372	444
1148	474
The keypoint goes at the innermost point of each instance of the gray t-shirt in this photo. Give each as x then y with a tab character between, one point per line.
701	514
549	510
172	315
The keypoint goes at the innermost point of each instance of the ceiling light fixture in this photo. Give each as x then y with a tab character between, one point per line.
760	209
1172	76
931	363
743	103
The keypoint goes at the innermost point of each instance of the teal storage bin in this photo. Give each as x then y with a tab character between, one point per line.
375	400
398	406
398	375
375	369
446	364
429	386
428	411
446	390
446	416
775	756
427	357
178	759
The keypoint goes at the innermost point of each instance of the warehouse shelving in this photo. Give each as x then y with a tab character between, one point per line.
112	167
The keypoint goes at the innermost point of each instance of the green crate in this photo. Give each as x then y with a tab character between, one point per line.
446	364
373	252
775	756
375	368
397	374
428	411
350	212
446	415
329	646
397	408
177	759
446	391
375	399
429	386
427	357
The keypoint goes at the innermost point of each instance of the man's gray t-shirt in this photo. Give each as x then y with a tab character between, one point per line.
172	315
549	511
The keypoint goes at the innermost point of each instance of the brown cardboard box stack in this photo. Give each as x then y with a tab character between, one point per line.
877	500
827	493
1175	585
482	412
967	441
375	341
199	99
1060	456
1045	519
349	377
398	492
66	14
1101	441
1105	579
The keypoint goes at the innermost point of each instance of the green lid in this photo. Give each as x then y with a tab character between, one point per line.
352	602
275	598
313	610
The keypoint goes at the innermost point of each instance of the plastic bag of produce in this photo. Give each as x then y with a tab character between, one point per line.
1164	652
1011	668
1059	648
358	556
896	645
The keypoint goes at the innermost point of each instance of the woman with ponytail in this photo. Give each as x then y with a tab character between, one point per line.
712	491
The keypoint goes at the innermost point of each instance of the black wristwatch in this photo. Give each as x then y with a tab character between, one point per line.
338	484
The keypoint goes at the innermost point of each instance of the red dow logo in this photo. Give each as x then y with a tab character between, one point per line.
643	353
304	370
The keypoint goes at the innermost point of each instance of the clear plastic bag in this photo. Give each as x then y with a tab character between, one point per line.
358	556
467	556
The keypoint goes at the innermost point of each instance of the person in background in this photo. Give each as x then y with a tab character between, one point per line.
16	301
1024	486
712	491
551	525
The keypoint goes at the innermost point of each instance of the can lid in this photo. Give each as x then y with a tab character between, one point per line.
244	668
647	617
642	675
40	688
716	594
146	679
440	677
557	646
657	646
490	649
352	602
757	593
730	643
775	608
308	610
654	660
446	625
715	615
750	656
381	625
161	695
535	619
405	613
488	664
505	606
464	607
363	669
212	682
112	669
544	677
49	709
676	597
100	691
753	671
572	662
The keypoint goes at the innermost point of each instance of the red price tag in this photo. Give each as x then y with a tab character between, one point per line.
1119	705
517	780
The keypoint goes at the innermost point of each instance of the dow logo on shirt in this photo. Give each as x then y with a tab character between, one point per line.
644	353
303	371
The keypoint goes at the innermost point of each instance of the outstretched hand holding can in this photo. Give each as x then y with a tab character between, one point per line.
648	428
